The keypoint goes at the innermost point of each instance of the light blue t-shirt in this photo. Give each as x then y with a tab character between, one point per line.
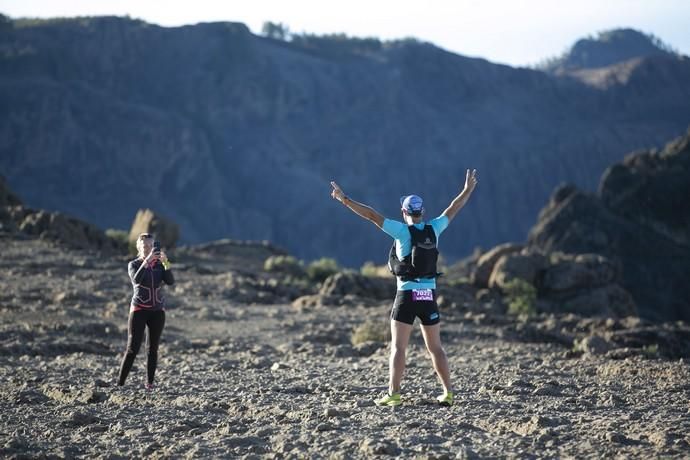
403	246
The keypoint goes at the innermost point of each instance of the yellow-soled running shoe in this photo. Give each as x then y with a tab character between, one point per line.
389	400
446	399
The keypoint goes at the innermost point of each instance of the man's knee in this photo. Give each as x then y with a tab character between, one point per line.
436	350
397	350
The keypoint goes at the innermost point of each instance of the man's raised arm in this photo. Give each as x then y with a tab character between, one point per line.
360	209
460	200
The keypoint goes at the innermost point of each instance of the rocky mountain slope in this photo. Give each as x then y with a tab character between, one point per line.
639	219
235	135
622	250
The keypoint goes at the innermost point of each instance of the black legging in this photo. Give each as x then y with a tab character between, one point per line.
138	320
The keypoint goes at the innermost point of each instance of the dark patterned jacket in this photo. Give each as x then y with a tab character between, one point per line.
147	283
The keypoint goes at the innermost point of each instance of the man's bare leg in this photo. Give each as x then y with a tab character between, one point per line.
400	336
432	339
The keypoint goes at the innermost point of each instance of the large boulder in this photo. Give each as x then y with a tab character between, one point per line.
575	222
485	265
585	284
147	221
610	301
525	266
7	198
6	223
63	229
583	271
593	345
671	340
355	284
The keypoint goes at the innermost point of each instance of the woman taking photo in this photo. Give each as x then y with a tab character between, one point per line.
148	272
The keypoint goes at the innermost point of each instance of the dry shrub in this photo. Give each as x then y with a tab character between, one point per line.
371	331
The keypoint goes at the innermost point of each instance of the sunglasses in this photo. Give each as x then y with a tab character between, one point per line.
145	236
413	213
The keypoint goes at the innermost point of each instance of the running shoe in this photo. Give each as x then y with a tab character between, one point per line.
446	399
149	387
389	400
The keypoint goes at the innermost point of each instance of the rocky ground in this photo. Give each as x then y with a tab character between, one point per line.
245	374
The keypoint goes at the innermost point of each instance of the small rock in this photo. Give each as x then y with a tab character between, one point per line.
324	427
593	344
100	383
80	419
617	438
368	348
265	432
465	453
330	412
660	439
364	403
278	366
622	353
547	390
373	447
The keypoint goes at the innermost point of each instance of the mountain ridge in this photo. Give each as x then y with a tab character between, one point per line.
241	136
608	48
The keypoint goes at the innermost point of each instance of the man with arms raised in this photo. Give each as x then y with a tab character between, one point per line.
413	261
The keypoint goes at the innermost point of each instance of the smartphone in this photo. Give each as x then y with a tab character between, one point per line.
156	247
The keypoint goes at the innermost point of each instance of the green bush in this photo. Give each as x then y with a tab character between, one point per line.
521	296
458	282
277	31
319	270
371	331
284	264
368	269
337	44
118	235
651	351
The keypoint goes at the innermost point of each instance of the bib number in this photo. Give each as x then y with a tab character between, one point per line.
422	295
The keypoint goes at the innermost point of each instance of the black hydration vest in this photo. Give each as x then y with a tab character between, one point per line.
421	261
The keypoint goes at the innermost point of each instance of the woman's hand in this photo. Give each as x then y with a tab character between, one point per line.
152	256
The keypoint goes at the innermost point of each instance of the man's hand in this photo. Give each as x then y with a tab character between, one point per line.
337	193
471	180
460	200
360	209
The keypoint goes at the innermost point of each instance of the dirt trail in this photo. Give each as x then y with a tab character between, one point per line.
276	381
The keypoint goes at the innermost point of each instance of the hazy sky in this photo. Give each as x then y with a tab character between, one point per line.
513	32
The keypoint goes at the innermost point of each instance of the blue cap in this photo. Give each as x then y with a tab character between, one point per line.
412	204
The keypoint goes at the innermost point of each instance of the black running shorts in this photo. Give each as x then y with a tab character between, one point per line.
413	303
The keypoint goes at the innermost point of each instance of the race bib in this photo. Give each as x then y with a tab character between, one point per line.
423	295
